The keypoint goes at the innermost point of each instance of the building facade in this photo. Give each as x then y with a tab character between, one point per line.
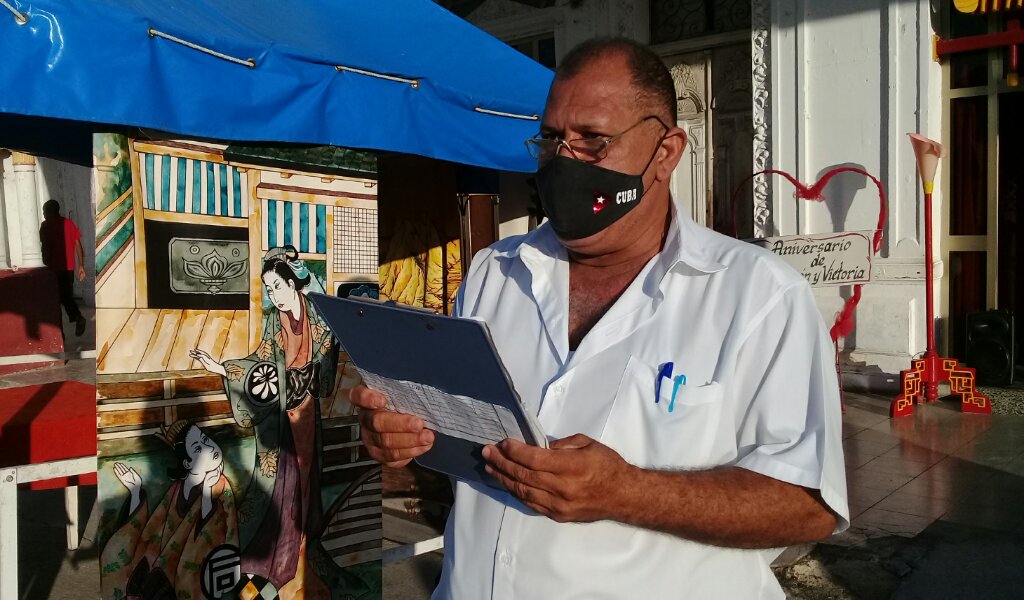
806	87
794	85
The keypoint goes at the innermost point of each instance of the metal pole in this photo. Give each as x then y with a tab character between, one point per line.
931	383
929	293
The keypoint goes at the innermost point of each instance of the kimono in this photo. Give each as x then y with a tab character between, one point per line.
277	391
158	553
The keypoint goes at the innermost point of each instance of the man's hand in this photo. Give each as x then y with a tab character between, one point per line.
81	273
392	439
576	479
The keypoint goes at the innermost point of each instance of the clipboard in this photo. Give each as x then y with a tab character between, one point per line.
455	356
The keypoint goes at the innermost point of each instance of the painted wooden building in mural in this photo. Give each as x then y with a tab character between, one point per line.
208	357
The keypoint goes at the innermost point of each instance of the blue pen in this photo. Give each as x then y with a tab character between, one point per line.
680	380
664	373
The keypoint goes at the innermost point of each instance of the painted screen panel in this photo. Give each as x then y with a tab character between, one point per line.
229	458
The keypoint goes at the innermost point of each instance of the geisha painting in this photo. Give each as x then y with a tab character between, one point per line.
229	460
276	391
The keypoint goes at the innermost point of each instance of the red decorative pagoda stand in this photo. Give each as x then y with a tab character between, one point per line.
920	383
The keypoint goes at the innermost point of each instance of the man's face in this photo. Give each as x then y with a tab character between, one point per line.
600	101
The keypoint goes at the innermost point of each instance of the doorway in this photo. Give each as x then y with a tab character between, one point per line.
1010	226
713	89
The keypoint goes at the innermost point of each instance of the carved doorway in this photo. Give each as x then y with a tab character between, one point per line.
713	88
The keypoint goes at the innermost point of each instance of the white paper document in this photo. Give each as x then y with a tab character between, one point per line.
457	416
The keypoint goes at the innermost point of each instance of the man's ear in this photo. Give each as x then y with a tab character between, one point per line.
670	153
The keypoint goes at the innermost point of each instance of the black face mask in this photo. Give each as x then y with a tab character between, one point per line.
581	199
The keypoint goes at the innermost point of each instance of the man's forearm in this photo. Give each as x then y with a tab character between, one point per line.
730	507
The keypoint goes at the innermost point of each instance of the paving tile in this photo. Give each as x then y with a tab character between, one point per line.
854	459
861	447
851	430
906	503
931	488
1015	467
913	452
892	523
873	436
862	495
859	417
991	517
988	452
865	476
937	431
959	471
1011	483
857	509
897	465
1008	427
991	495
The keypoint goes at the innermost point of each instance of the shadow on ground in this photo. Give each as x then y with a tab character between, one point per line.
46	569
946	560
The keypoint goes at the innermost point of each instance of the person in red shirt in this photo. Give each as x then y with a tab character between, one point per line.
62	249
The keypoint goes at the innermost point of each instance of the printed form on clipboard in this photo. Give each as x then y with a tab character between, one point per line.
451	414
442	369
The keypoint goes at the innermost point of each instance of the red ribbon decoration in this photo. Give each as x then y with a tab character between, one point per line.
844	319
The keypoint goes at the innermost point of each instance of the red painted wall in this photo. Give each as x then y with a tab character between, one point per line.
30	316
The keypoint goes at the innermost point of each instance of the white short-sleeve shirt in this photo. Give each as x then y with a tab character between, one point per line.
761	393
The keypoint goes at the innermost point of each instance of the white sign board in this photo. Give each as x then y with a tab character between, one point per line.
825	259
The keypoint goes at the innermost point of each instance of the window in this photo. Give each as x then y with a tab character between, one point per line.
355	240
540	48
674	20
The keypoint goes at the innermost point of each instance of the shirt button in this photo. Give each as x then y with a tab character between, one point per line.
558	388
505	558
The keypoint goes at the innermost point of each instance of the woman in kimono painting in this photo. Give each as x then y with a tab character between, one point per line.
281	507
158	551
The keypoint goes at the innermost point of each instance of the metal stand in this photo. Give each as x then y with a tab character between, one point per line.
921	381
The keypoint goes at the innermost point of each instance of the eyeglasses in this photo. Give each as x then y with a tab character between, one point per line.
589	150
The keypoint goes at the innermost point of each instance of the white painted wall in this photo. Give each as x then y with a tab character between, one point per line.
849	79
9	247
71	185
24	190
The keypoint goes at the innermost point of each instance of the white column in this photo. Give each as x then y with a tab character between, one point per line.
28	210
5	200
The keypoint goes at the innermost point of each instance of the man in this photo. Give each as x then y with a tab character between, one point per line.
62	248
686	378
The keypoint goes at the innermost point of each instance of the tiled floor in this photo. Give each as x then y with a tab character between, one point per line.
904	474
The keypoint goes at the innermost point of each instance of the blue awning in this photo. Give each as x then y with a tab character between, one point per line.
395	75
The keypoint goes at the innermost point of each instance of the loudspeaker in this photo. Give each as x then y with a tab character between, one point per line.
989	346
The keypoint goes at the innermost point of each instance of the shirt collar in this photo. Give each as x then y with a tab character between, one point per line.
686	243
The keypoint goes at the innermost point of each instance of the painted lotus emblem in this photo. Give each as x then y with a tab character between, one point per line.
213	270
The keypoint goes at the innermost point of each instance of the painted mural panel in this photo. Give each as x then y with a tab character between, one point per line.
420	253
230	464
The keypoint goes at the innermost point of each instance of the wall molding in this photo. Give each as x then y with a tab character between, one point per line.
760	45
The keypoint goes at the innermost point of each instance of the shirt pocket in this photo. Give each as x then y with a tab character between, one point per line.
646	434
